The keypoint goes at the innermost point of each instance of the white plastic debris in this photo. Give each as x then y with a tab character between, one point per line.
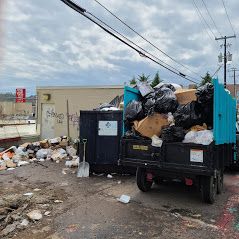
24	223
32	160
43	153
5	157
22	163
171	119
109	109
41	160
47	213
58	201
54	141
20	151
9	169
58	154
63	171
36	143
124	198
35	215
28	194
176	86
16	158
36	189
204	137
156	141
109	176
64	184
72	163
71	151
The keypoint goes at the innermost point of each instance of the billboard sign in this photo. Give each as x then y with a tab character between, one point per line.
20	95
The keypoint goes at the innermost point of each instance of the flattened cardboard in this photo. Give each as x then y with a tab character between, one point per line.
151	125
185	96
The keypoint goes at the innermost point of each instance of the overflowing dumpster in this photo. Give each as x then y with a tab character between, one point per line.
195	145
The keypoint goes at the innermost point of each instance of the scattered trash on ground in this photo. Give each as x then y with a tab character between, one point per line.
35	215
27	194
124	199
58	201
56	149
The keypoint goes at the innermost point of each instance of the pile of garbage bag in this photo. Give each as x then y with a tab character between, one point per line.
159	112
56	149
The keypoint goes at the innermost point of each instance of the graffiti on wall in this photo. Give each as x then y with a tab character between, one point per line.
58	116
61	117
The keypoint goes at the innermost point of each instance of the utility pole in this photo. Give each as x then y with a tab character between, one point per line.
234	69
225	55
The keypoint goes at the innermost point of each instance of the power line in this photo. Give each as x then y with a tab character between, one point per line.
133	42
211	18
83	12
123	22
228	17
218	69
203	20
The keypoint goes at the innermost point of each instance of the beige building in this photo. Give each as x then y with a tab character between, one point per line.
56	103
8	108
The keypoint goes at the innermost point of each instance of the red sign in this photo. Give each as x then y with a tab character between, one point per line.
20	95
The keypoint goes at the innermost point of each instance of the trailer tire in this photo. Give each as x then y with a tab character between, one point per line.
141	178
220	182
208	189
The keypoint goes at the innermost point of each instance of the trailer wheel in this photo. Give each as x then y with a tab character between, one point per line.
220	183
141	178
208	189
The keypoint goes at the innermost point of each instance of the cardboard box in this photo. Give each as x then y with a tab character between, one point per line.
185	96
151	125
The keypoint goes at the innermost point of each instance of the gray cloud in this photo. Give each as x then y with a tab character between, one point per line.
46	43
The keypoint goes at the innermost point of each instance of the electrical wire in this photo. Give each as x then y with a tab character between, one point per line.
83	12
141	36
228	17
134	43
203	20
211	18
217	70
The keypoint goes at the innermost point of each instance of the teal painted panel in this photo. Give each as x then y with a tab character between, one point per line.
129	95
224	115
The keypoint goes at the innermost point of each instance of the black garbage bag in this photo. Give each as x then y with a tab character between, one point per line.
165	101
207	113
144	88
188	115
205	93
205	98
172	134
148	104
134	111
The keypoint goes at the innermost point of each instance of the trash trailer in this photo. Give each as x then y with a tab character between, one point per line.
197	164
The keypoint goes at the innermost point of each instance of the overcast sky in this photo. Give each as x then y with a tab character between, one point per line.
43	42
